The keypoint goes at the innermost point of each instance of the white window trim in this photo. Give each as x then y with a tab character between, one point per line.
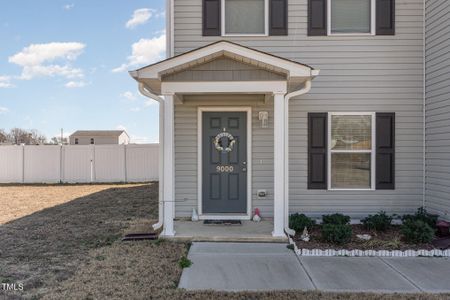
372	151
372	22
266	22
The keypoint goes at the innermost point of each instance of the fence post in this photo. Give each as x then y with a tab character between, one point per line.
61	162
92	163
22	146
125	162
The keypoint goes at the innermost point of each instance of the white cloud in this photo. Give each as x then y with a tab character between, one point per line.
75	84
128	95
121	127
144	52
5	82
139	17
3	110
135	109
69	6
35	60
150	102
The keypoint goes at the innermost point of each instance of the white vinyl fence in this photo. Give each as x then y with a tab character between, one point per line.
79	163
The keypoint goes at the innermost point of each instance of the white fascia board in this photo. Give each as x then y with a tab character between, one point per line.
294	69
261	87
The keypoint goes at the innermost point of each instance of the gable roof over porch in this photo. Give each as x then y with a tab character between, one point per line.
294	73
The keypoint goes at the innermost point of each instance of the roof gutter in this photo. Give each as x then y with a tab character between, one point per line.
145	91
305	89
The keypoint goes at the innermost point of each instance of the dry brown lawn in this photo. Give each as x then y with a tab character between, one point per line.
19	201
67	246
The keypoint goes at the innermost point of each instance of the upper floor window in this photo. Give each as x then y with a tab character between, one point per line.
245	17
351	17
92	141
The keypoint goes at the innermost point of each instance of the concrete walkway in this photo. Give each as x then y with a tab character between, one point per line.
264	266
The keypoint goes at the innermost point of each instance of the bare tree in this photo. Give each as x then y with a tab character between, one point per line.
3	136
37	138
19	136
56	140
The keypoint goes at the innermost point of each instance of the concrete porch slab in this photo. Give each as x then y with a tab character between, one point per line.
431	275
249	231
243	267
355	274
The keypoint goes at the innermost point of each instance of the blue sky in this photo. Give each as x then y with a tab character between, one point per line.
63	64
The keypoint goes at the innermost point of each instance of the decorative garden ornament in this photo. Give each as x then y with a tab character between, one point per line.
257	216
194	217
305	235
364	237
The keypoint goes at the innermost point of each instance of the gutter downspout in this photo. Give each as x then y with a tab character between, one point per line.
306	88
145	91
424	108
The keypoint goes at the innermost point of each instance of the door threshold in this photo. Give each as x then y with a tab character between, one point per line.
224	217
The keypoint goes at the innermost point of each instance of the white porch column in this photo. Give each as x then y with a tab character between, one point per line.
278	164
169	166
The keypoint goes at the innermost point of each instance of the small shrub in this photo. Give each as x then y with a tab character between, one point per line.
299	221
336	219
185	262
417	232
422	215
337	233
378	222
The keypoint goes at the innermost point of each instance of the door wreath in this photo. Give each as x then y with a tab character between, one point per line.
218	142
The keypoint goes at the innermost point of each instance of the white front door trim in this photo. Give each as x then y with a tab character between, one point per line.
200	111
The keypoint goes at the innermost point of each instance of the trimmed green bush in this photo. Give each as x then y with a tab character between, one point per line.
379	222
337	233
336	219
184	262
299	221
417	232
422	215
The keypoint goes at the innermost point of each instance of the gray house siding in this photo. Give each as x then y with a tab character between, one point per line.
224	69
363	73
437	124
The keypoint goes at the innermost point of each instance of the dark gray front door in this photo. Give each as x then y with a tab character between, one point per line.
224	162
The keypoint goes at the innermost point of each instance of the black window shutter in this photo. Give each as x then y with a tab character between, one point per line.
385	151
211	18
317	17
317	150
278	16
385	17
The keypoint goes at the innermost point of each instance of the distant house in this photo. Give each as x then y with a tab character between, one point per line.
99	137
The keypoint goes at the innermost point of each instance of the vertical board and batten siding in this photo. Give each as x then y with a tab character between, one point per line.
186	155
358	73
437	125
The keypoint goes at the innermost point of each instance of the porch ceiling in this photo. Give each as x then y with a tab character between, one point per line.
292	72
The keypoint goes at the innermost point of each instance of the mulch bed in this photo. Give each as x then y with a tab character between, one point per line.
389	240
